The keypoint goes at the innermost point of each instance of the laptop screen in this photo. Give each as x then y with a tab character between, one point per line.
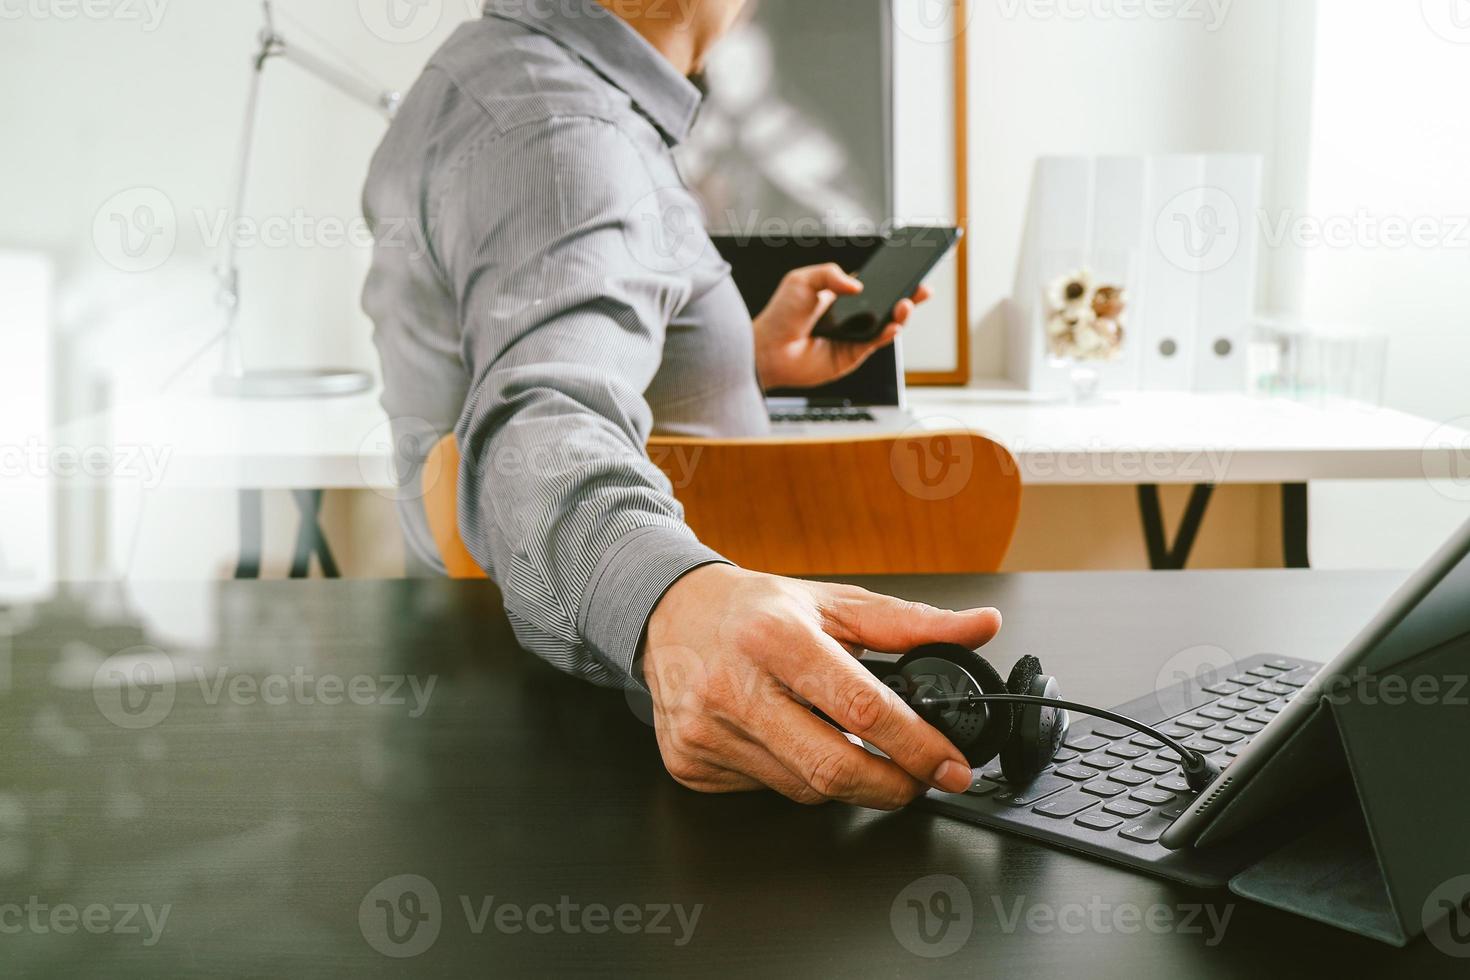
758	266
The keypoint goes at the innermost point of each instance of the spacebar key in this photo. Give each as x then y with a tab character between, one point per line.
1038	789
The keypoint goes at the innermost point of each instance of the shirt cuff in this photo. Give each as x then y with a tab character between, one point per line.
629	581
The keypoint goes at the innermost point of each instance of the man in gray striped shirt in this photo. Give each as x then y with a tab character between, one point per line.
562	302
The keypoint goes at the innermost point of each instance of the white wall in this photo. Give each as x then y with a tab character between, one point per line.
152	96
1090	77
1391	144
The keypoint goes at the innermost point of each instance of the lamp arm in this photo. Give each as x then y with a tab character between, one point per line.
384	101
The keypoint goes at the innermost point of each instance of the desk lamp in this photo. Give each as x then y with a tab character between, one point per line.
234	381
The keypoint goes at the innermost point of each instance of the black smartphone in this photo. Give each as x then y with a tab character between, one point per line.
893	274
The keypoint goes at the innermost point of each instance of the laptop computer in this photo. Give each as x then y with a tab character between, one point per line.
1284	731
871	400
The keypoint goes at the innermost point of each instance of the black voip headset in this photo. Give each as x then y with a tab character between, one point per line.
1022	720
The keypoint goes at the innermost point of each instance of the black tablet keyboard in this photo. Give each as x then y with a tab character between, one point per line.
1113	792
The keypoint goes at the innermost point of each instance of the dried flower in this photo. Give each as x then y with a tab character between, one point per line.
1072	292
1109	302
1084	320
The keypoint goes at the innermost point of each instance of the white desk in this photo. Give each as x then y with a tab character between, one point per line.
1142	440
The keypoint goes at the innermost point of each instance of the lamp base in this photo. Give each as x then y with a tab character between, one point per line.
310	383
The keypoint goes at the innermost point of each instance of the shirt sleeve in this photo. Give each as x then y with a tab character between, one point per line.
564	317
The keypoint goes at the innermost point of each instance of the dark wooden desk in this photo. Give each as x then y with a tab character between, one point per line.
266	827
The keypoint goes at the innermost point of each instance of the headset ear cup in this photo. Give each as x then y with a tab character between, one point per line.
979	732
1029	749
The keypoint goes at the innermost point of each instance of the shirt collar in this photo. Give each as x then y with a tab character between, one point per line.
616	52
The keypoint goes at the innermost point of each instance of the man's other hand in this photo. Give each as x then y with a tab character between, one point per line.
786	353
735	660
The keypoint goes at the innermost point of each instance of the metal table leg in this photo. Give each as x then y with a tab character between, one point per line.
1163	556
1294	525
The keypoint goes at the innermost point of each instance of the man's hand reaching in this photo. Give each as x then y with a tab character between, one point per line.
786	353
735	660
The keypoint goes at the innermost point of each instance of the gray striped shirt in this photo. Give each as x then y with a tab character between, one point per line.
542	285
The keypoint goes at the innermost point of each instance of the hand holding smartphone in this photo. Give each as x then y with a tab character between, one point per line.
893	274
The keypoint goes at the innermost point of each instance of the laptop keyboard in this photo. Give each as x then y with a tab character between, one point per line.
1111	790
825	415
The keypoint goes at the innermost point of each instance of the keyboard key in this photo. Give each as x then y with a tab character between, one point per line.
1224	689
982	787
1080	773
1197	723
1267	671
1100	760
1274	709
1174	784
1086	743
1282	663
1147	831
1033	792
1244	726
1129	777
1127	751
1064	755
1153	797
1169	755
1104	788
1124	808
1065	805
1109	730
1174	731
1098	821
1200	745
1235	750
1223	737
1261	716
1157	767
994	775
1235	704
1147	741
1297	678
1278	689
1255	697
1245	680
1218	714
1174	812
